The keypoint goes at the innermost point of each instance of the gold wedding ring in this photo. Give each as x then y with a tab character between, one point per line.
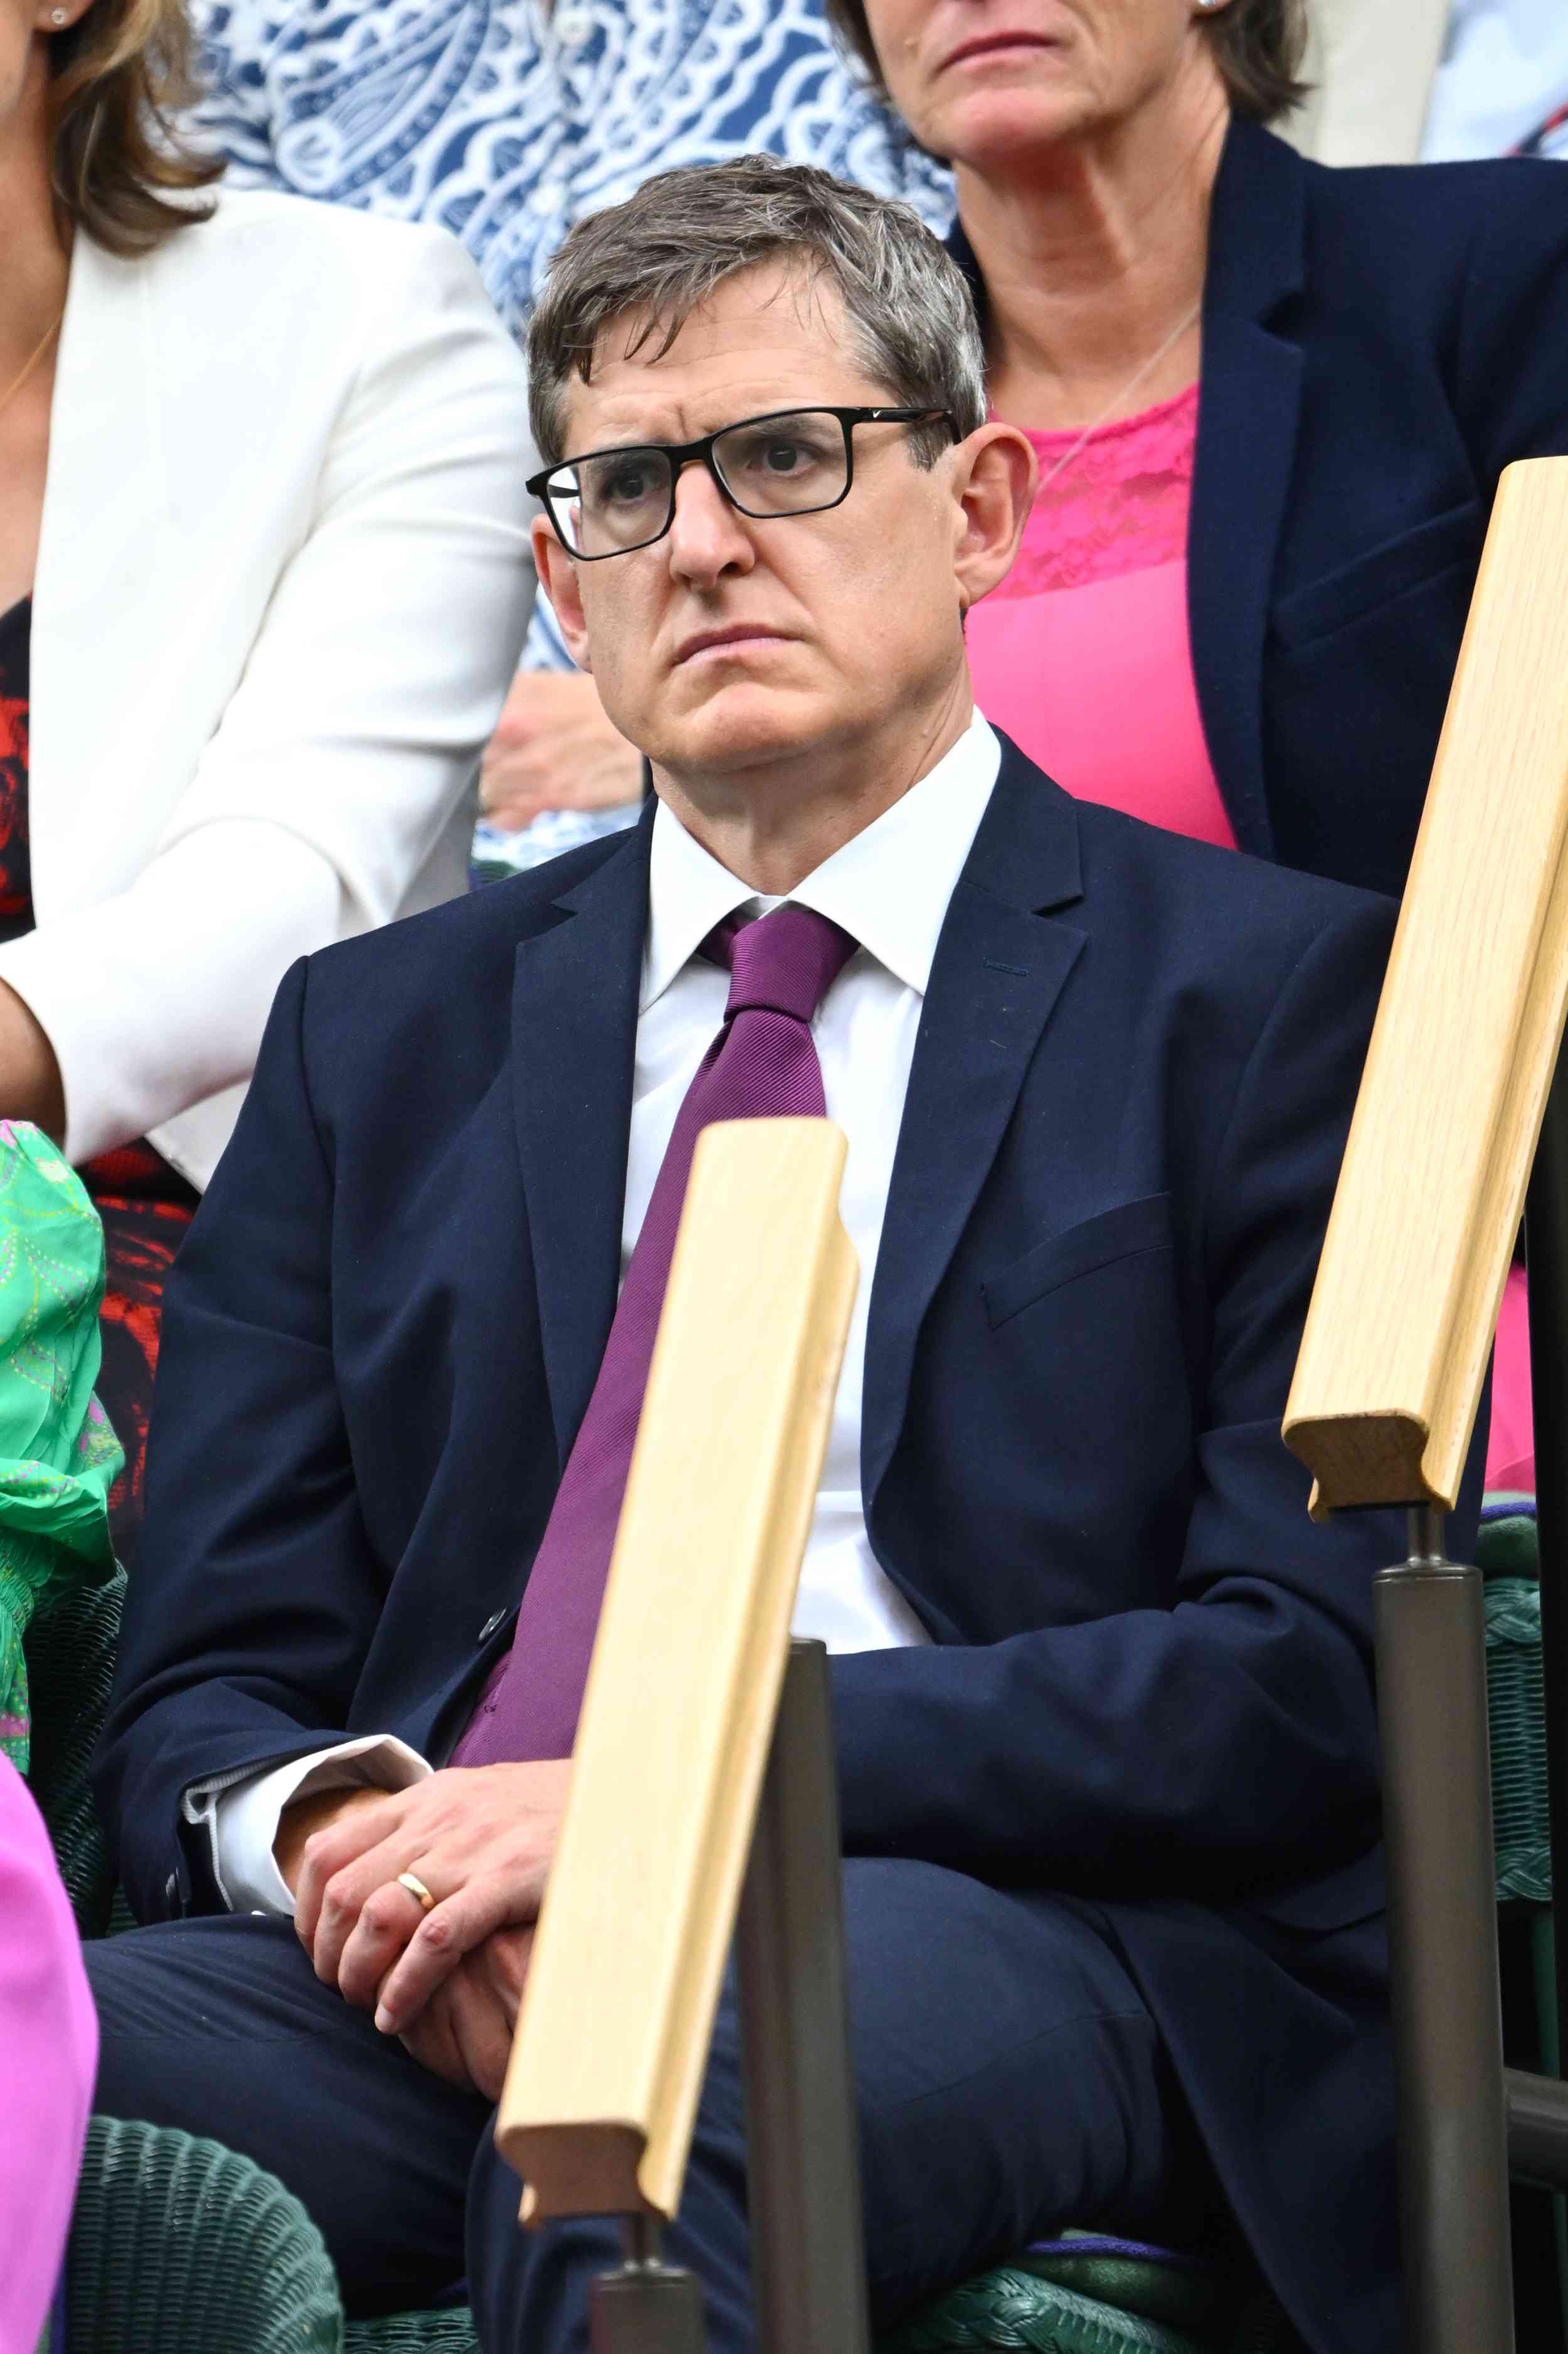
418	1890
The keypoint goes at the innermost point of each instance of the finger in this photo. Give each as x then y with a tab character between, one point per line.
504	1957
483	2034
348	1891
611	782
334	1847
512	816
388	1918
514	731
432	2042
438	1943
518	711
516	778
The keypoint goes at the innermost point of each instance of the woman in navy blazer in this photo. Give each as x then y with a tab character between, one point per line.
1371	348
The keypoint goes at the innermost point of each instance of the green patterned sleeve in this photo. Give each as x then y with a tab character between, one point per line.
59	1457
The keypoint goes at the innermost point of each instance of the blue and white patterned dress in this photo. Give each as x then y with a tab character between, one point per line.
506	122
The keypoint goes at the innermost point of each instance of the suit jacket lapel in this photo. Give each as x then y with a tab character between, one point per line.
573	1038
999	969
1248	412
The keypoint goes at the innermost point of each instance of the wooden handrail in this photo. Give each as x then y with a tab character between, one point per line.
1432	1188
613	2035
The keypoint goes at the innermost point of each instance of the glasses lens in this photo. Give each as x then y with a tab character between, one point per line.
783	465
602	507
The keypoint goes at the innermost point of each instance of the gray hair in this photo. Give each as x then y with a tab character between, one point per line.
664	252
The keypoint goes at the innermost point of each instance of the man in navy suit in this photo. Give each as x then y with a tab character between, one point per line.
1103	1693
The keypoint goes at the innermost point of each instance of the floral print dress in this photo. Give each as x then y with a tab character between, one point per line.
145	1205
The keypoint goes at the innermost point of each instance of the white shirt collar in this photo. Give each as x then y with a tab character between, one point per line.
888	886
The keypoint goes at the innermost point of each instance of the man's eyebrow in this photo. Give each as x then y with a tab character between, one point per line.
630	437
642	439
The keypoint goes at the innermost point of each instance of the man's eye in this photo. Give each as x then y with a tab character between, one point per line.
780	454
629	486
787	457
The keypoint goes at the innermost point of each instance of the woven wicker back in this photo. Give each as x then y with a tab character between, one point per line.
179	2246
70	1647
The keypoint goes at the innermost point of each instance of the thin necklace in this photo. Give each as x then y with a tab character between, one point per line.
14	386
1177	332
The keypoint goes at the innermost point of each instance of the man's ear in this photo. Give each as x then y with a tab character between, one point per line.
995	482
558	579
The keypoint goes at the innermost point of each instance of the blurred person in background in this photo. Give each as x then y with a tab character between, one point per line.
48	2047
507	123
57	1460
1502	87
253	459
1443	80
1269	402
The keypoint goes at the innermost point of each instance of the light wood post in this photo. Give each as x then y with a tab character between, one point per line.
638	1914
1432	1184
1389	1377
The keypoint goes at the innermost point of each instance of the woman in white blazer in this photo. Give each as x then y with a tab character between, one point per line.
263	582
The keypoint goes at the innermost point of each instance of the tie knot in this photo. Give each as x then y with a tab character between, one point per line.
786	961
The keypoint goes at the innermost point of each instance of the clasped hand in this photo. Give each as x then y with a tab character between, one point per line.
481	1839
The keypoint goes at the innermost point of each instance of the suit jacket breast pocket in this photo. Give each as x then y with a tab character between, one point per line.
1130	1230
1307	616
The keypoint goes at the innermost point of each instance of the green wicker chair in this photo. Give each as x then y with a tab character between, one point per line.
1013	2308
178	2246
1508	1555
1515	1711
70	1645
1087	2303
1065	2302
448	2332
1516	1729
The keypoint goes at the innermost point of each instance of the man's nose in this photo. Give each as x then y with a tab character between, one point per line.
707	537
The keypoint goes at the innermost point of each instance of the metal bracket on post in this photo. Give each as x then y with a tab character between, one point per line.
808	2247
1443	1952
802	2139
645	2306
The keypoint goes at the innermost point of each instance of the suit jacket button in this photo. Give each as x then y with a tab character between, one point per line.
496	1618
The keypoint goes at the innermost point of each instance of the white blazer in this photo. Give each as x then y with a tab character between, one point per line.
282	587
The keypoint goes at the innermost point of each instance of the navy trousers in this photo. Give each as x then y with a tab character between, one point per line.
1008	2076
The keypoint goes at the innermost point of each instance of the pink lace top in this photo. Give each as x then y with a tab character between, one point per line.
1082	653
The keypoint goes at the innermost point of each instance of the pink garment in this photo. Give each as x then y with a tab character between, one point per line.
1511	1450
48	2056
1081	652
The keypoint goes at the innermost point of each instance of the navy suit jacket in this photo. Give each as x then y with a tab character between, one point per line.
1149	1681
1377	344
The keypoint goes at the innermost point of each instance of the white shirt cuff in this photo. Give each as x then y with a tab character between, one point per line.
242	1817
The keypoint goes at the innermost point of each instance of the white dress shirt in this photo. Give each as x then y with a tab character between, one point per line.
889	888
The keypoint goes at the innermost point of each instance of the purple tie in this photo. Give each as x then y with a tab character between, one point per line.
761	1064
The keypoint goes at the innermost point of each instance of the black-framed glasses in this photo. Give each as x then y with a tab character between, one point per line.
790	462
